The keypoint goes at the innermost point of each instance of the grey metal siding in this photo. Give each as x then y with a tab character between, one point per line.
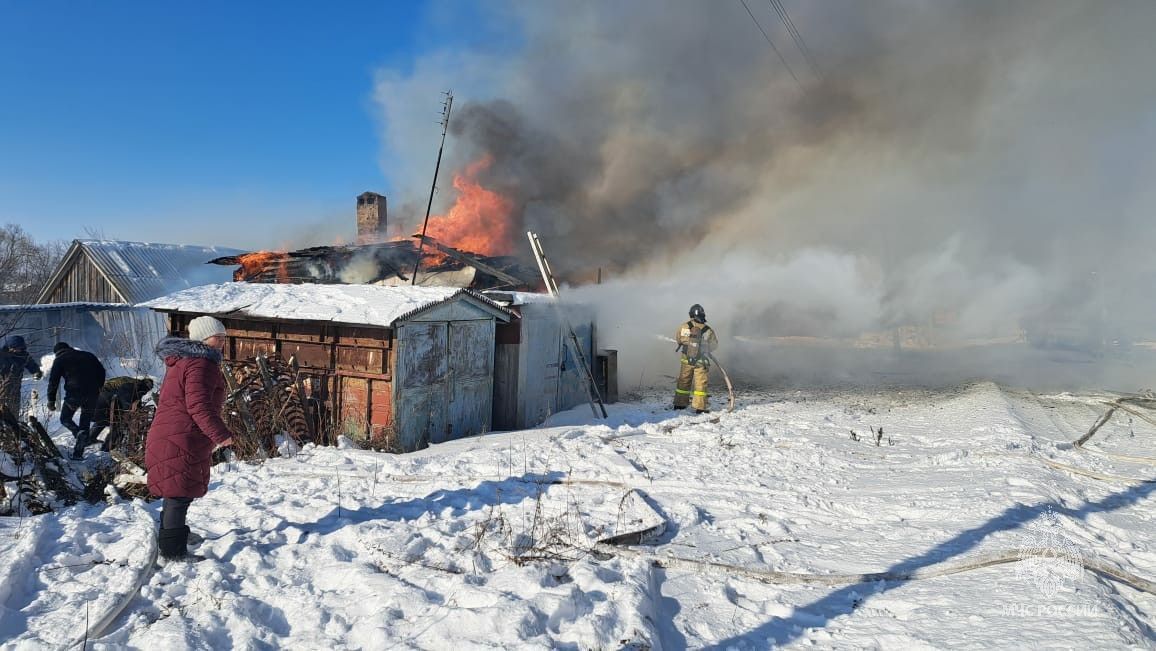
541	356
131	335
549	375
107	331
572	384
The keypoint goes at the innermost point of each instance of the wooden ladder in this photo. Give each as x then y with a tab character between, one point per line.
592	394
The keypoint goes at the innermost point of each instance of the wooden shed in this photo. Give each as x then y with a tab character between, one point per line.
401	366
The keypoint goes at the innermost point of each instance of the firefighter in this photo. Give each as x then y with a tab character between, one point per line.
696	340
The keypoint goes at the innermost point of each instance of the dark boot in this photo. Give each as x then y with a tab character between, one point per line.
173	543
81	442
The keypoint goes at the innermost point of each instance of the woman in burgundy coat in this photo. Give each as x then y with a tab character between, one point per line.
187	427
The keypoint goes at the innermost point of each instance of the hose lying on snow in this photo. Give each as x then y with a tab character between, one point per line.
1103	420
1092	473
942	569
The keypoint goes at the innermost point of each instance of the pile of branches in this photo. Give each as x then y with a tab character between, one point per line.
263	403
128	429
266	401
35	475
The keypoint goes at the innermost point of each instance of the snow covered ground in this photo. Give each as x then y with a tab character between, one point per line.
491	542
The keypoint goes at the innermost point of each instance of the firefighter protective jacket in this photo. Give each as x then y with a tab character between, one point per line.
696	341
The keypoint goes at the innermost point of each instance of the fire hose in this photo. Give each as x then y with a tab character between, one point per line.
1103	420
1097	566
726	377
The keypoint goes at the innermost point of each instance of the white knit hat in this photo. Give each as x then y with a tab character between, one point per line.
203	327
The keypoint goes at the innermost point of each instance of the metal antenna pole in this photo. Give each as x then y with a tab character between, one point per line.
445	122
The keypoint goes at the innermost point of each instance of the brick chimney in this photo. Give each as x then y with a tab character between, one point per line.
370	218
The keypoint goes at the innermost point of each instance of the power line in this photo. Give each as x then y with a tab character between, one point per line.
780	54
796	36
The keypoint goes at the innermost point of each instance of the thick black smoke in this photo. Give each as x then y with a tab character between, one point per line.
970	169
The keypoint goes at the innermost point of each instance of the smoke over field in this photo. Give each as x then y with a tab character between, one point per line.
944	172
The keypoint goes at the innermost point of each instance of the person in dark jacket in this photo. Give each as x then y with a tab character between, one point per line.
14	361
83	376
187	428
118	396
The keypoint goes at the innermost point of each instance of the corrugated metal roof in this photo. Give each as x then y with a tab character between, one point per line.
468	292
48	307
141	271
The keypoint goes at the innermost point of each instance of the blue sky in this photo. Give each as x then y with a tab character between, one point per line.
237	123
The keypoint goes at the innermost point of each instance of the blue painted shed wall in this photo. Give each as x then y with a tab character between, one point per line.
444	375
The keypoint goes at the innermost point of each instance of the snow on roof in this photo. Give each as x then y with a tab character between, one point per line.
518	298
355	304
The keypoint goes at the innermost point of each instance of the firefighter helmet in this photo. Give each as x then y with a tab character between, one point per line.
697	313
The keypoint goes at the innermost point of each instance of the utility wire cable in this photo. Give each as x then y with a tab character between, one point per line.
796	36
772	43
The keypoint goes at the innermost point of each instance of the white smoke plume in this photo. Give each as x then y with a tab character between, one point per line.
974	168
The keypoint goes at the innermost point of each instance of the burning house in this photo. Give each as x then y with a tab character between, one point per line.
378	261
398	363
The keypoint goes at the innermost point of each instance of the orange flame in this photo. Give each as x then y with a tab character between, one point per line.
255	263
479	220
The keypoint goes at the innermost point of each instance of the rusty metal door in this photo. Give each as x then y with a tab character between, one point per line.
421	384
471	377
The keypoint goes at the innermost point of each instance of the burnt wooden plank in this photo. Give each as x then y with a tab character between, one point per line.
471	261
505	414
